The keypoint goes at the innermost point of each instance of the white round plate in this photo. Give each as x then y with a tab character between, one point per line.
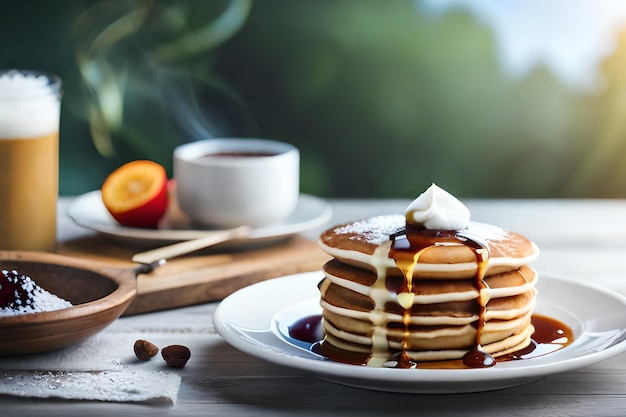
89	211
596	316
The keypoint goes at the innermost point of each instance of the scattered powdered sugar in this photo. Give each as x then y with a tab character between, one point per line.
124	385
101	368
487	231
375	230
19	294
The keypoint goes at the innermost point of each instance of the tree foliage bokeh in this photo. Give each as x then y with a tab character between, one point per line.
382	97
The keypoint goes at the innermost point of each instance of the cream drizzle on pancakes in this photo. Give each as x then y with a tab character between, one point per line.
367	244
446	296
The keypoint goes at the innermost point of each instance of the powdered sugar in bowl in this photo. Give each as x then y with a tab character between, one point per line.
98	292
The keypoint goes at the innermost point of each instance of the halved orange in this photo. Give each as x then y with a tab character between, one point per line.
136	194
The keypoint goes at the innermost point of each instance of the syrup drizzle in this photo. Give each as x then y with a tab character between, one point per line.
550	335
406	248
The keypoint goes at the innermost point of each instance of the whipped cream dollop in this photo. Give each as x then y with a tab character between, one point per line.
436	208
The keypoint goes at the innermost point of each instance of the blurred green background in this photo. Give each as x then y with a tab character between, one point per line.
381	97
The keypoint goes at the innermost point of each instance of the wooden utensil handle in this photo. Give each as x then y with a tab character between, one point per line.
182	248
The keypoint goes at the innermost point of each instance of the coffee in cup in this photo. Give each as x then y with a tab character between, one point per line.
231	182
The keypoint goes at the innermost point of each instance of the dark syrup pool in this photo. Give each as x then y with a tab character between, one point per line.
550	335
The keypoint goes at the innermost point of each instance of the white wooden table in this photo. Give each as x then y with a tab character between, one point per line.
585	240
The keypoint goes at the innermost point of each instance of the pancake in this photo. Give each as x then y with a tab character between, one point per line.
339	349
397	294
503	284
366	244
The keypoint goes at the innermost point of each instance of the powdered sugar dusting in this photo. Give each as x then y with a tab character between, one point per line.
19	294
487	231
375	230
378	229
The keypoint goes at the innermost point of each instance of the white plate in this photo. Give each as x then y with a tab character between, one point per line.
596	316
89	211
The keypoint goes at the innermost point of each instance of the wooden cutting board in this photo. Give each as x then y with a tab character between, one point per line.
205	276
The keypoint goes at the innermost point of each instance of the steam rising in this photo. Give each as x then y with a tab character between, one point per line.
141	63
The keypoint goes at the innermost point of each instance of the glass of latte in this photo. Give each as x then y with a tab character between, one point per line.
29	159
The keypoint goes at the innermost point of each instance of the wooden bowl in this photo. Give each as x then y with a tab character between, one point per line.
99	294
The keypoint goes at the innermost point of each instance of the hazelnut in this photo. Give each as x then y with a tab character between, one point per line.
176	356
145	350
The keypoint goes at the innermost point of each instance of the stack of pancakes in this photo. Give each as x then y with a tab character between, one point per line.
459	291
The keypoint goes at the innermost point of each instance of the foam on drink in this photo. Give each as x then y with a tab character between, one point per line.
29	104
29	161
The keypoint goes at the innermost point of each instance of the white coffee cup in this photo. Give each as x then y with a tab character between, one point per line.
229	182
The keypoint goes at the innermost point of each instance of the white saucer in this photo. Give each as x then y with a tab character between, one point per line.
89	211
597	317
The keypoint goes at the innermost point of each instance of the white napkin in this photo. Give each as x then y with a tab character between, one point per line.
103	368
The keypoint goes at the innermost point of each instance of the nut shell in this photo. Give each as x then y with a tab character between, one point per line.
145	350
176	356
